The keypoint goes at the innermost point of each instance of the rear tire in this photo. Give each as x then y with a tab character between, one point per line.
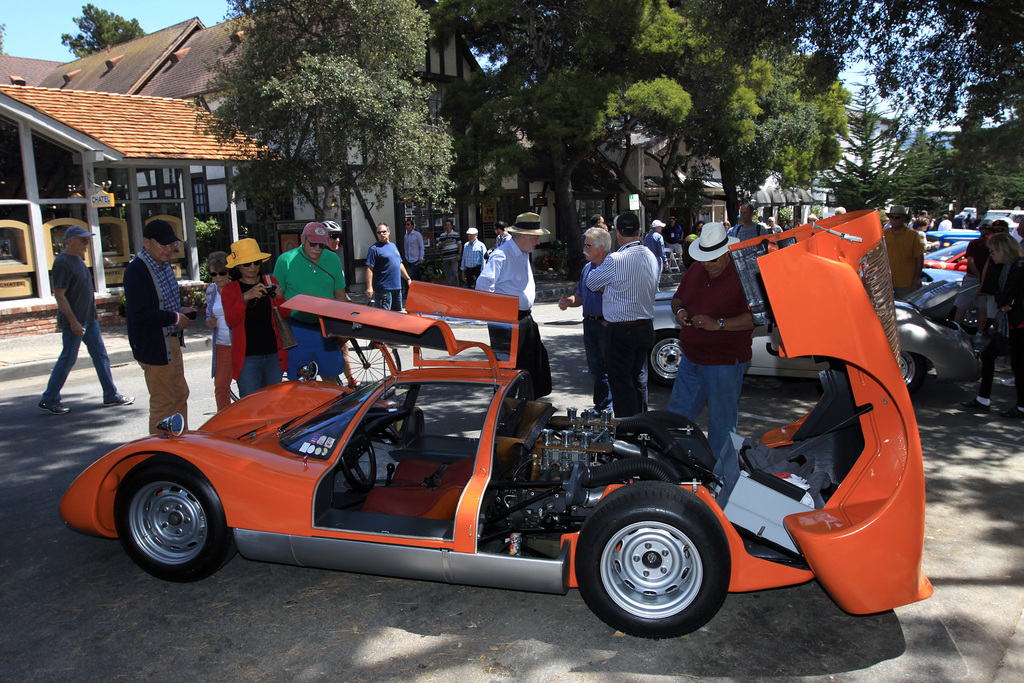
653	561
171	522
664	358
914	368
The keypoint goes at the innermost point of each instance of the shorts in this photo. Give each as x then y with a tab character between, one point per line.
311	345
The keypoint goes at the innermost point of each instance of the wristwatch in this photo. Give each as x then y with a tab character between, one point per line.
721	324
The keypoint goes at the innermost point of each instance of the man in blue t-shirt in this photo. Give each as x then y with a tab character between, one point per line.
385	272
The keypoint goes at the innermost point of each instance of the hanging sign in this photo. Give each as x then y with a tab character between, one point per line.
102	200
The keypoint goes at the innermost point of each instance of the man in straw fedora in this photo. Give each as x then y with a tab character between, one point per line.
508	271
715	336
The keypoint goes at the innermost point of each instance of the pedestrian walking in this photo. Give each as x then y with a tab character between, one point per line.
217	268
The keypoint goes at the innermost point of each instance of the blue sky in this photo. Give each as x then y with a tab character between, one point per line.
34	27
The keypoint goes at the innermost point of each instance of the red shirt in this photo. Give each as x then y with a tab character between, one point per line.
721	297
978	250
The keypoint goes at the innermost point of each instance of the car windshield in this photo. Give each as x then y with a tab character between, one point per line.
948	253
317	436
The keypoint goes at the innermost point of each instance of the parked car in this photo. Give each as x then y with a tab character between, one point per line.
928	341
451	471
950	237
953	257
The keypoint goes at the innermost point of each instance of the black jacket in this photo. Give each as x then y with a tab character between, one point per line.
1012	293
146	320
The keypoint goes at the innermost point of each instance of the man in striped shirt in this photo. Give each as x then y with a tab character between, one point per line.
629	280
473	253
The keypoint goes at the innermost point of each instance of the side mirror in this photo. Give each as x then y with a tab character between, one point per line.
172	426
308	372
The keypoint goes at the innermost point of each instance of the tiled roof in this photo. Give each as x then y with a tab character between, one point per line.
33	71
138	127
130	64
189	75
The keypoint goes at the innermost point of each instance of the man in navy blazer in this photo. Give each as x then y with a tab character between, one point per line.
156	319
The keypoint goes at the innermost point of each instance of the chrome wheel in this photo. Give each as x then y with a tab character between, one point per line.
664	359
651	570
167	522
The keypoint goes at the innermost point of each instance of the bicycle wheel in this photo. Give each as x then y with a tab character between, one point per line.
369	363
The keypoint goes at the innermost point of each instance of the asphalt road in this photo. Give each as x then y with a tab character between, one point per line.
75	608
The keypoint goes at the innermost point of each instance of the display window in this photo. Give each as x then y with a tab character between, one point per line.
12	181
58	171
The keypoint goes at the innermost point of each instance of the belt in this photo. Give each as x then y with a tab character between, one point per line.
594	317
525	314
630	322
175	335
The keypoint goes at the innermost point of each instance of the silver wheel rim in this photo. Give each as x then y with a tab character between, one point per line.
666	358
651	570
908	367
168	522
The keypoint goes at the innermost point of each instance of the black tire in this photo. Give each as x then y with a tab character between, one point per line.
914	368
653	561
663	359
360	478
171	522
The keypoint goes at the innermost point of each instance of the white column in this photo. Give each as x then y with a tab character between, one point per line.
40	240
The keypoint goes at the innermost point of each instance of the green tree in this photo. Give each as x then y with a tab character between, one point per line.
548	88
98	29
868	175
330	90
985	167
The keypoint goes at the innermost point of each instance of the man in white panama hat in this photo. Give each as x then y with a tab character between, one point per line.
715	336
508	271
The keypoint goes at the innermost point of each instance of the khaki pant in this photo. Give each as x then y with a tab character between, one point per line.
168	390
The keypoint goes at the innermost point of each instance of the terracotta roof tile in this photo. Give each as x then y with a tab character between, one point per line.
139	127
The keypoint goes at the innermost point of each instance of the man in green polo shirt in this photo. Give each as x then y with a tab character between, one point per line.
312	268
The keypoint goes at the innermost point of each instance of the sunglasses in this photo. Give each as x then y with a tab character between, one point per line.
314	245
248	265
382	232
218	273
588	246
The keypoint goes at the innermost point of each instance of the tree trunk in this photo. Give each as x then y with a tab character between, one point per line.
567	226
732	198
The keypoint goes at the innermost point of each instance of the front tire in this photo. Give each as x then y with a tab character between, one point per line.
171	522
653	561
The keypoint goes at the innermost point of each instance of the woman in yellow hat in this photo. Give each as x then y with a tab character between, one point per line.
257	357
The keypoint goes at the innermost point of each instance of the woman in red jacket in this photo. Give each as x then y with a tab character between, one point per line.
257	358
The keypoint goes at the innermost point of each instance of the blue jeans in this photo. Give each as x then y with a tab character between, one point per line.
258	372
69	354
593	344
717	385
388	299
313	346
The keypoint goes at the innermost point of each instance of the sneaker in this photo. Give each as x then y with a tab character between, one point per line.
352	383
975	405
57	408
120	400
1009	382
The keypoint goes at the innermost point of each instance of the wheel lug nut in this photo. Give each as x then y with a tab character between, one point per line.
636	558
663	570
664	553
647	545
646	573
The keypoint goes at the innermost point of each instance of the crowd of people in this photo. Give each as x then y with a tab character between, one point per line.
255	340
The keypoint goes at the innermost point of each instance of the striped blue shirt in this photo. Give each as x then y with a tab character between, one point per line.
629	278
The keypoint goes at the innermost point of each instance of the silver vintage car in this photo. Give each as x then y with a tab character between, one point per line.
925	344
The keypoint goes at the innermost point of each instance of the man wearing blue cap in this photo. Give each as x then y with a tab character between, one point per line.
77	320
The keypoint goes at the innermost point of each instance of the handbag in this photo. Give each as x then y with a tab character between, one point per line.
284	328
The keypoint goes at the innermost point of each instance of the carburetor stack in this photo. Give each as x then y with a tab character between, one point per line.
585	438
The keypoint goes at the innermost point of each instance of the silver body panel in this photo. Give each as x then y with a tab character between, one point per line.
429	564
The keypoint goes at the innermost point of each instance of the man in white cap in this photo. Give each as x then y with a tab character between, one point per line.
77	320
905	250
312	268
473	253
629	280
715	337
508	271
655	241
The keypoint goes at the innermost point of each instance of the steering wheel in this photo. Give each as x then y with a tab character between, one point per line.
360	475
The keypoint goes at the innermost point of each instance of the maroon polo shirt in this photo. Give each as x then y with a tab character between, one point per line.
721	297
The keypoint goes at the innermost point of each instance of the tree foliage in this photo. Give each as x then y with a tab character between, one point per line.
552	69
868	177
97	29
330	89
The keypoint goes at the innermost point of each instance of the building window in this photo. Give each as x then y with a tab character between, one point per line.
58	173
200	195
12	180
159	183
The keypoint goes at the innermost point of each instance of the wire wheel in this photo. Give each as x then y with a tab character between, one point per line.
370	362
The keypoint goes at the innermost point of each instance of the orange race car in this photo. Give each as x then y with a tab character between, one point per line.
451	471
